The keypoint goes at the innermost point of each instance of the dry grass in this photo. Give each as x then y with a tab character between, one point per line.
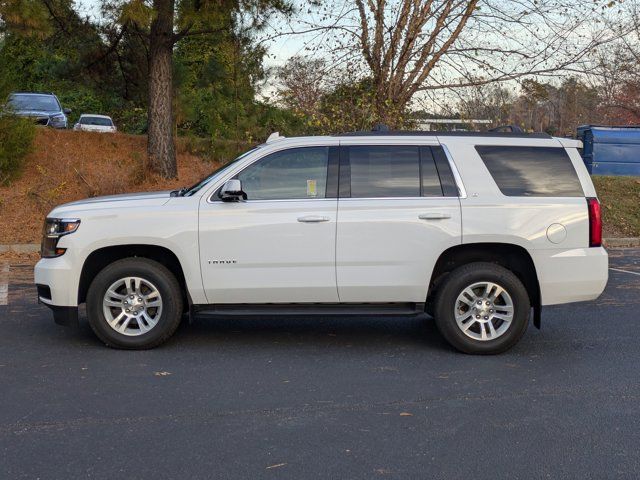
14	258
67	166
620	198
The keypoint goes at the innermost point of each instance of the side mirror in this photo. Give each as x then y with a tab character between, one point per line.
67	111
232	191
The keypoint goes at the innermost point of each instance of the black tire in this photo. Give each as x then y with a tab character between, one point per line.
463	277
151	271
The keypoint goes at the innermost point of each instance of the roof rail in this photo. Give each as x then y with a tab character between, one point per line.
507	129
409	133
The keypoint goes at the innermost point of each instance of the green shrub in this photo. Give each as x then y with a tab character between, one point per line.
131	119
16	141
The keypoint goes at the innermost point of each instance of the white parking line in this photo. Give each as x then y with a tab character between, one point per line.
623	271
4	284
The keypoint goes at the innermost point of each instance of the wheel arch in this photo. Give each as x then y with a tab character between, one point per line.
513	257
100	258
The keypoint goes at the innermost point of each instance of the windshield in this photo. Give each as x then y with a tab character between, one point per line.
101	121
38	103
195	188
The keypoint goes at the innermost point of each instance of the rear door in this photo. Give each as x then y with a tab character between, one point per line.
398	210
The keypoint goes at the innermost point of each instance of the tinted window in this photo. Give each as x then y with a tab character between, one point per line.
429	174
447	181
531	171
297	173
38	103
101	121
381	171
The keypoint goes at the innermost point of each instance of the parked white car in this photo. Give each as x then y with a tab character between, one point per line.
95	123
479	230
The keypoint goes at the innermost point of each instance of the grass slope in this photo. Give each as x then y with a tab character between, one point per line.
65	166
620	198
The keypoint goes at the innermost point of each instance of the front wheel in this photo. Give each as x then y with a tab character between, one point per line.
134	303
482	308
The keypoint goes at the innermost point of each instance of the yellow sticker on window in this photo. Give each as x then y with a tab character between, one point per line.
311	188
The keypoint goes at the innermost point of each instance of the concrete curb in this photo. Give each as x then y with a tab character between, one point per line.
622	242
35	247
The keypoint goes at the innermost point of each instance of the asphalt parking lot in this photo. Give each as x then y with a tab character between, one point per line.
331	398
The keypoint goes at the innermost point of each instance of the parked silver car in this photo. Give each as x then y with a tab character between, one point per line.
43	108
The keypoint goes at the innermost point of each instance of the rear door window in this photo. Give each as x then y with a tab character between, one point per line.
381	171
384	171
531	171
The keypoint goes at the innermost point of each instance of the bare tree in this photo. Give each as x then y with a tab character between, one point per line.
412	46
615	72
302	83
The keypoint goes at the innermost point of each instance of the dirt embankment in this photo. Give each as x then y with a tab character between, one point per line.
67	165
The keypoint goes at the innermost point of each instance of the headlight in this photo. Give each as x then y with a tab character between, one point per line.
60	118
54	228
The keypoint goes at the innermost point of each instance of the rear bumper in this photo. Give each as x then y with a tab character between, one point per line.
575	275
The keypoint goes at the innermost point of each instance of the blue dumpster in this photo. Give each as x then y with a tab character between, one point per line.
611	150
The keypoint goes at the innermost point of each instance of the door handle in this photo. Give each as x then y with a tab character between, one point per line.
434	216
313	219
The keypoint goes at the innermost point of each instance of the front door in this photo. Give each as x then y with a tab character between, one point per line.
398	211
278	246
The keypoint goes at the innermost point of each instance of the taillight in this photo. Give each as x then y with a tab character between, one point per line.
595	222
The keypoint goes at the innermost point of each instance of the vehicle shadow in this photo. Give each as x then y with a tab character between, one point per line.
278	331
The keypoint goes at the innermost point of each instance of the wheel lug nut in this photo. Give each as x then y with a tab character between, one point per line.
477	316
490	311
479	302
486	318
127	310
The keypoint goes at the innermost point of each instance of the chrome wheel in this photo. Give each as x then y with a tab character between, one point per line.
484	311
132	306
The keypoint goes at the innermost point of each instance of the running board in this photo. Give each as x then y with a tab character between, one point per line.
315	309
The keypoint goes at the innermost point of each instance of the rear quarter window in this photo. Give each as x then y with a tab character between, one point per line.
531	171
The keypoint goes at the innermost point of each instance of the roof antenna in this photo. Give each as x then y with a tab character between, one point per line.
380	127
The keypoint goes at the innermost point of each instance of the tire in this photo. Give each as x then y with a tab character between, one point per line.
485	330
155	310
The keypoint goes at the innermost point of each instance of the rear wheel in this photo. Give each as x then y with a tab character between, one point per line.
134	303
482	308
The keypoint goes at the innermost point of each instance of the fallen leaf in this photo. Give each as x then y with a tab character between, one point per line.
162	374
406	414
277	465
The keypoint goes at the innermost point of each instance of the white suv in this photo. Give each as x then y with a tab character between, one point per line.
478	230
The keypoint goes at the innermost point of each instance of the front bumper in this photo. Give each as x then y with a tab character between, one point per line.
67	316
57	286
62	279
